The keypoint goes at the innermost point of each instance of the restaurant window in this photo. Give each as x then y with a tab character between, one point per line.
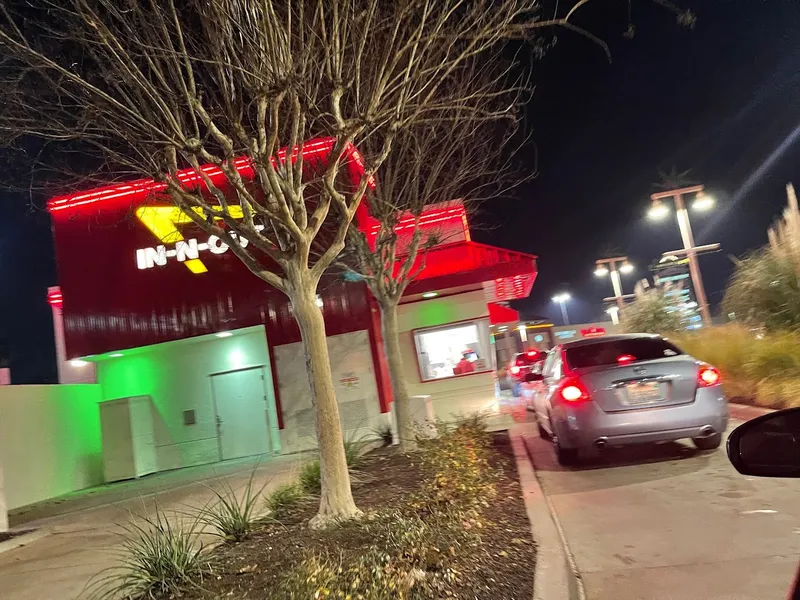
453	350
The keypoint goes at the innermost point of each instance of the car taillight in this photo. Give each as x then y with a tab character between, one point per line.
624	359
572	390
514	370
532	353
708	376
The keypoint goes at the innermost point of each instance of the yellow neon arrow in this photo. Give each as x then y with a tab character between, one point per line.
163	221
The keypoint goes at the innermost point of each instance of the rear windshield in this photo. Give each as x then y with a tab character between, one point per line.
609	353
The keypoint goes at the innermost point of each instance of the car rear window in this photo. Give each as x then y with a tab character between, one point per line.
610	352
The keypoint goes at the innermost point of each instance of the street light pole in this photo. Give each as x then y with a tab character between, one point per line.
688	245
608	266
562	301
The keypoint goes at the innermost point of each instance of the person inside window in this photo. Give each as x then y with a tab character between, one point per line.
464	366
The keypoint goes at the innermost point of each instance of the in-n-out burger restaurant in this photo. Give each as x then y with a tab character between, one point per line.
198	360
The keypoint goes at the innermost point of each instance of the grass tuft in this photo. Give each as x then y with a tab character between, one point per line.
233	516
161	556
284	499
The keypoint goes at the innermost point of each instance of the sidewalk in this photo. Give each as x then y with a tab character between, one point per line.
83	533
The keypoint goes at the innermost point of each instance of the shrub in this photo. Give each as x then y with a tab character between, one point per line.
355	450
762	368
458	474
310	477
764	291
233	517
284	499
160	557
651	313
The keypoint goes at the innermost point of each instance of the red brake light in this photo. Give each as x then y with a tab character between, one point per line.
532	353
625	358
514	370
572	390
708	376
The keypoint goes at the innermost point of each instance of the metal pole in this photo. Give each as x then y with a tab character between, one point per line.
564	312
694	268
616	284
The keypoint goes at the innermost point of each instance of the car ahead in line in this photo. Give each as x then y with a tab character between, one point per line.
521	364
769	446
625	389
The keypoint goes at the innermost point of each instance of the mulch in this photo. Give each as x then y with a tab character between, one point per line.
502	568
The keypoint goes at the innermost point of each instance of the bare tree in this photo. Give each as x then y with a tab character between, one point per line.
153	87
467	160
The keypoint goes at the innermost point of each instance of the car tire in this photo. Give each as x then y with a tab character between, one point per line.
566	457
711	442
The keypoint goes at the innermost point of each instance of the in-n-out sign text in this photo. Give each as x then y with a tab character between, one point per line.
163	221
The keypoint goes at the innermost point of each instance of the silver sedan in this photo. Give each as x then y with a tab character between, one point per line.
625	389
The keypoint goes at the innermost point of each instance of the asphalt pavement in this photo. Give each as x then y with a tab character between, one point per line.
668	522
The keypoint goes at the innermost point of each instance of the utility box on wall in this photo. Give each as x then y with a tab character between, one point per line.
129	445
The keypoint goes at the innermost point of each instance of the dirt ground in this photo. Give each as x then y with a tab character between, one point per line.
501	569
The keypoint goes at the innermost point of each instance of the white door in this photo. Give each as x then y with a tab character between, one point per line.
241	403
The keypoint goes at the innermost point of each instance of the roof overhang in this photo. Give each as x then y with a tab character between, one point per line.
505	274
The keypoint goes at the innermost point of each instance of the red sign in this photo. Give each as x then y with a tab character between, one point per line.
593	332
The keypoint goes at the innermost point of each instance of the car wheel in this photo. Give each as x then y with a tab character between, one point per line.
710	442
565	456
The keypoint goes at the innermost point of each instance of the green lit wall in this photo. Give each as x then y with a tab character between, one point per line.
176	376
50	441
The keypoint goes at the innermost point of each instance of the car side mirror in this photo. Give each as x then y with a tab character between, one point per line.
768	446
531	377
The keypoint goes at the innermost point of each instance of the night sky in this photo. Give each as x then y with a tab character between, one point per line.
720	99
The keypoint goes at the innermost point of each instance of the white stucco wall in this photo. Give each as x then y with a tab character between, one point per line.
50	441
176	376
354	381
452	396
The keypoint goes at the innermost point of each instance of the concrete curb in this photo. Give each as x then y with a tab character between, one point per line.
24	539
555	575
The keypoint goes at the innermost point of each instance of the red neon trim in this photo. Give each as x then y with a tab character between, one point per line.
322	146
55	299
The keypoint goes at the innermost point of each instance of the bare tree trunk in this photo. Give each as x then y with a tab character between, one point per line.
336	501
391	344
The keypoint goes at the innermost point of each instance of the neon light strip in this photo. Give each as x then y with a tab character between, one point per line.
190	176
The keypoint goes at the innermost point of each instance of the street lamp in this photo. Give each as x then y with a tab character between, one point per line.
608	266
701	202
658	211
562	301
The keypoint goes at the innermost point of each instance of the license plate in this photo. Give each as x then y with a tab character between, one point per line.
643	393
